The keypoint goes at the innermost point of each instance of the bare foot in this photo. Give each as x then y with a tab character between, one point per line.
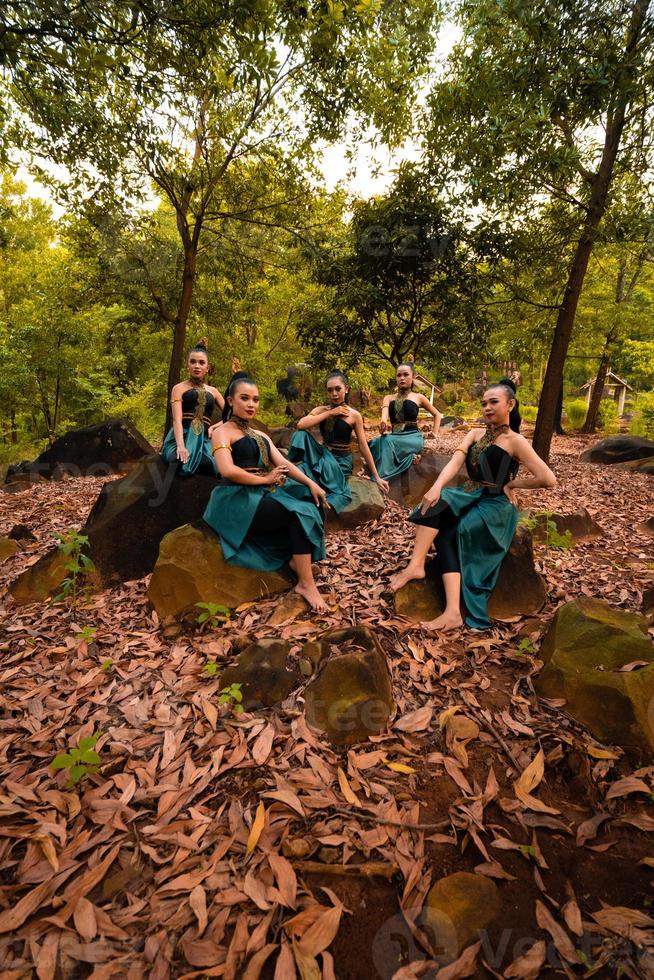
313	597
446	621
410	573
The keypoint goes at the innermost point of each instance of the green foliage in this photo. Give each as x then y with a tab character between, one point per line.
643	422
576	411
526	646
608	416
86	634
528	412
78	565
212	615
543	520
210	669
232	696
106	665
80	761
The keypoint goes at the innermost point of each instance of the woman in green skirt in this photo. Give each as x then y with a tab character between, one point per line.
401	442
193	402
330	463
264	519
473	525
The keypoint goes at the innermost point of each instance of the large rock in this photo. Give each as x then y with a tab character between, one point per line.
42	579
458	909
584	652
110	447
191	569
351	698
8	548
619	449
579	523
519	591
126	525
410	487
281	436
646	527
645	465
367	504
263	672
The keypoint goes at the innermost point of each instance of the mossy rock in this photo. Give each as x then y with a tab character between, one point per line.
579	523
367	504
519	590
458	908
351	698
262	671
8	548
584	650
409	488
42	579
191	569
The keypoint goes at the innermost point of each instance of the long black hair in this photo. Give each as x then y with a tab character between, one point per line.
515	419
229	390
339	374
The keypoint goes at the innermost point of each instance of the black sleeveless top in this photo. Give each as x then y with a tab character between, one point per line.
336	432
192	409
494	465
409	411
245	453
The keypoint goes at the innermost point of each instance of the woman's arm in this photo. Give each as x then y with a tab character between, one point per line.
222	453
436	415
364	449
541	473
178	429
385	417
449	471
314	418
319	495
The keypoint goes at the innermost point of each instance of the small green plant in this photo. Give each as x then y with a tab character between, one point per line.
232	696
86	634
526	646
576	411
528	413
106	665
212	615
543	521
78	565
608	417
210	668
80	761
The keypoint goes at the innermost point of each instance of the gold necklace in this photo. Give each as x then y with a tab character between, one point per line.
261	442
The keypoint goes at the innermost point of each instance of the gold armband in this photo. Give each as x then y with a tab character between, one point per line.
460	450
173	400
223	445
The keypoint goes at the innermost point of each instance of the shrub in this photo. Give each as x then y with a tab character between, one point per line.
607	416
529	413
576	411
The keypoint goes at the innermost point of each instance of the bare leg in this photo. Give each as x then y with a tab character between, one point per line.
306	586
422	542
450	618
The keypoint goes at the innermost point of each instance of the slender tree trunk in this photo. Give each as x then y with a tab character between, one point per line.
596	208
590	424
179	327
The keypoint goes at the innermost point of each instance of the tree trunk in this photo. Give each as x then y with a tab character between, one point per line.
596	208
179	327
590	424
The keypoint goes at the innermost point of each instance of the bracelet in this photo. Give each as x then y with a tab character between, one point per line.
173	400
223	445
460	450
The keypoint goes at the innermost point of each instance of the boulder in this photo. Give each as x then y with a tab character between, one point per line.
585	651
645	465
21	532
191	569
410	487
619	449
519	591
579	523
127	523
367	504
110	447
40	580
451	422
262	671
351	698
648	602
281	436
647	527
8	548
458	908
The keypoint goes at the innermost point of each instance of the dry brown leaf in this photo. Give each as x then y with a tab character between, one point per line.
415	721
561	939
529	965
257	827
346	789
285	964
198	902
14	917
464	966
630	784
85	920
532	775
322	932
257	962
285	878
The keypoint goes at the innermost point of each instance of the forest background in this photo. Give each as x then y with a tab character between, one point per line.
179	146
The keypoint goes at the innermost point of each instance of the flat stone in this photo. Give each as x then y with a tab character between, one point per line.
351	698
410	487
584	649
647	527
619	449
191	569
519	591
8	548
457	909
639	465
263	673
21	532
288	607
367	504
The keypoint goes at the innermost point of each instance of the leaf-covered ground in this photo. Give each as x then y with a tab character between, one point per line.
212	844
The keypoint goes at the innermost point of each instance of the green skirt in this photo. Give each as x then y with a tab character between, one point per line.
230	512
486	526
199	448
320	464
393	453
